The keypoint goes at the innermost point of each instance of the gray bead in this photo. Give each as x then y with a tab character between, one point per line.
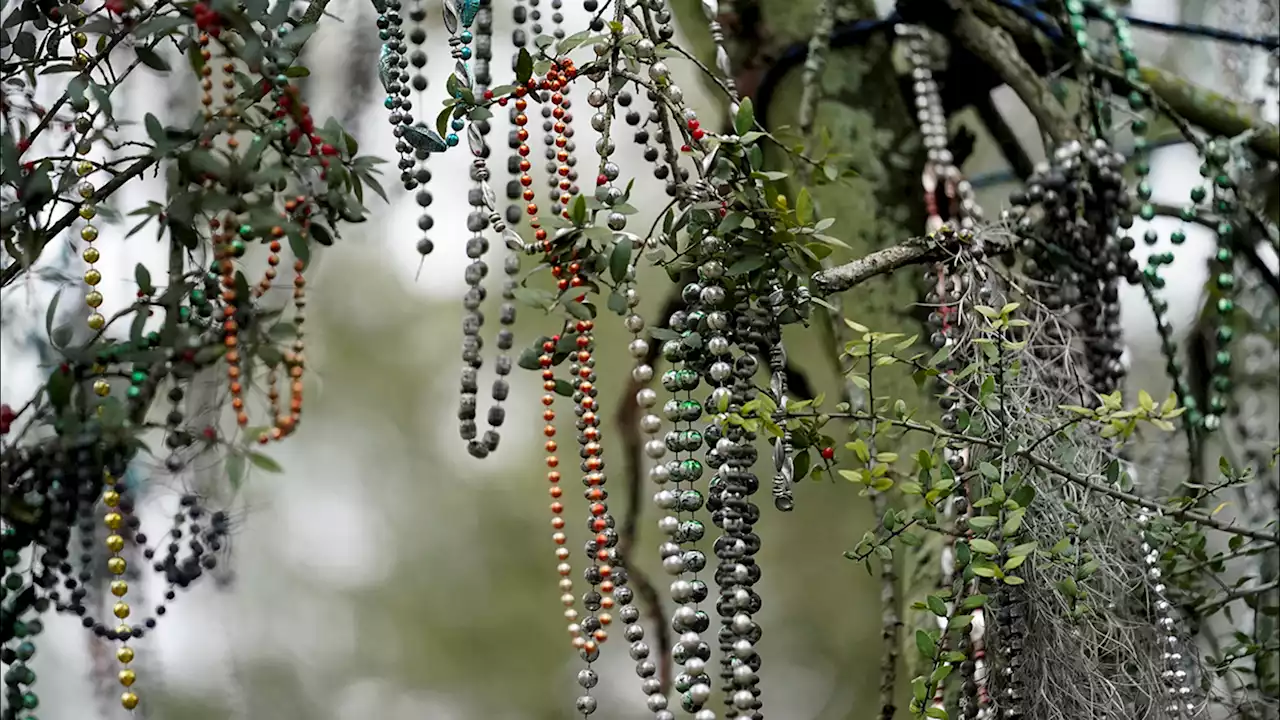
587	678
656	702
646	668
694	561
638	650
684	616
586	704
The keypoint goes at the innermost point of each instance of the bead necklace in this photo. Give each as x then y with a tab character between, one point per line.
1179	697
482	215
680	557
944	290
421	172
111	493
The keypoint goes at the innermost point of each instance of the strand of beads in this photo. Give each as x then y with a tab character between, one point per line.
117	566
482	202
517	163
711	11
421	172
391	61
726	497
783	464
563	568
1179	698
558	126
737	514
1224	281
731	511
650	425
680	557
943	292
599	574
111	496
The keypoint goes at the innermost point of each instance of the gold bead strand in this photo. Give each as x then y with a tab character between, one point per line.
117	566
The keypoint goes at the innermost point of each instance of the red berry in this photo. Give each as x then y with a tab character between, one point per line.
488	94
7	416
328	149
210	433
693	124
601	179
698	134
828	453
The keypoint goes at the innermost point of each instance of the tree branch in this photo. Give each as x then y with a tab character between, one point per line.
996	48
914	251
1128	498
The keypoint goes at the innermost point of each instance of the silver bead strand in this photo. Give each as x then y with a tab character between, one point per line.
483	214
1179	700
711	10
680	556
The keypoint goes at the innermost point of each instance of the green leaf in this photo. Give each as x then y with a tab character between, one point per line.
524	66
804	207
1013	521
142	277
982	522
51	313
264	462
235	470
59	388
563	388
151	59
619	259
974	601
24	45
936	605
986	547
745	118
925	644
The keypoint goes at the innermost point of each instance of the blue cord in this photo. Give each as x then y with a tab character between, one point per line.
1030	10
